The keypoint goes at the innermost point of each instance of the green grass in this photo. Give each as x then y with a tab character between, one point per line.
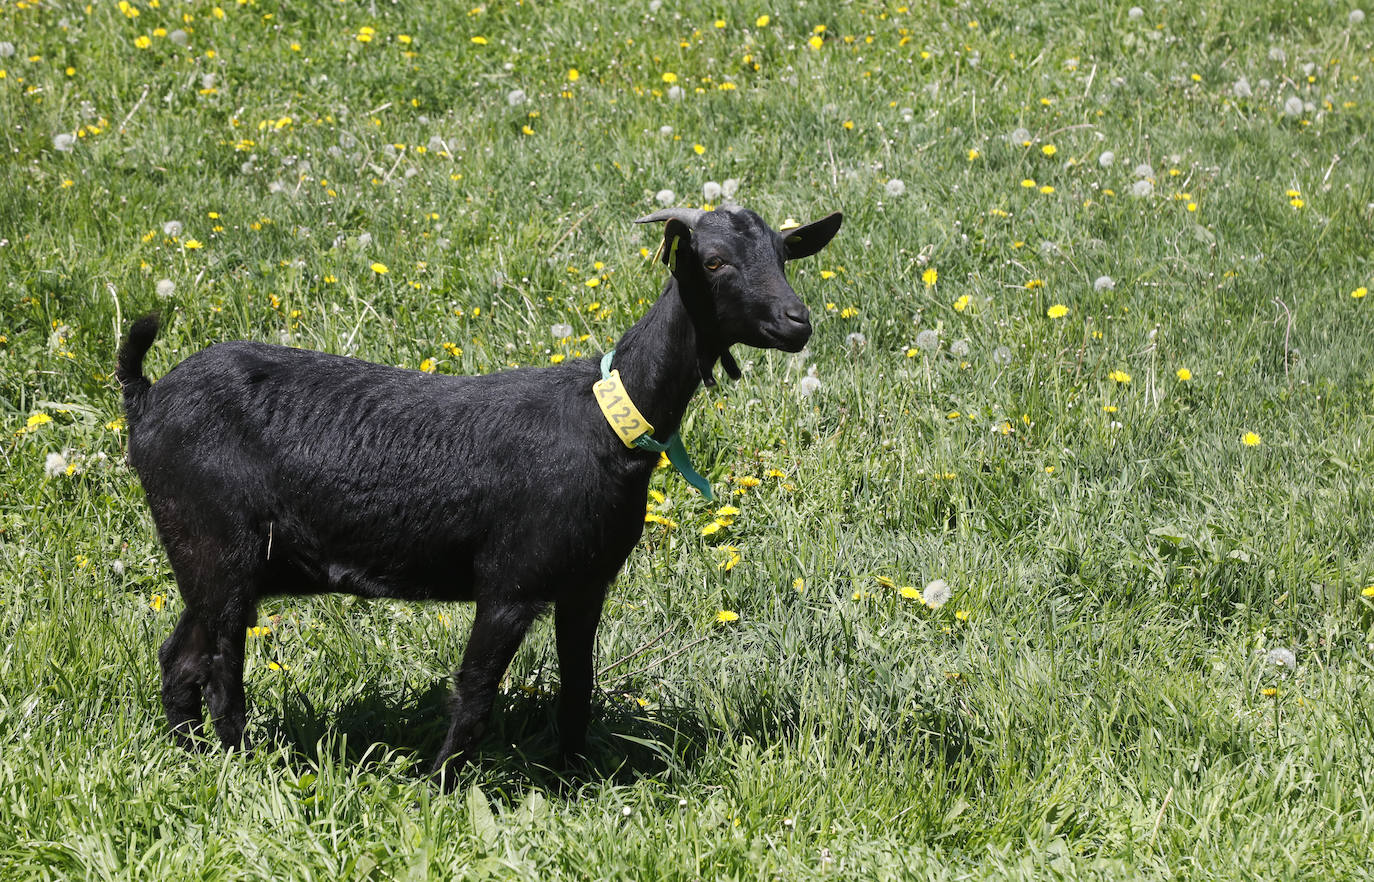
1092	701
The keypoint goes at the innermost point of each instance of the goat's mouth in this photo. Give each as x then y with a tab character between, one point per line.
788	335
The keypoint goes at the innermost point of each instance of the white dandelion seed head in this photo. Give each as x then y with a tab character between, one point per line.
855	340
1019	136
960	348
665	197
1134	13
1282	656
207	81
561	330
1001	355
1356	16
936	594
907	114
1264	85
1293	106
515	97
389	151
55	465
1106	158
180	37
276	187
928	340
247	167
665	131
172	228
364	240
1143	171
895	187
436	144
6	49
729	187
1142	187
165	288
675	93
655	5
711	191
117	567
809	383
1241	88
1276	53
347	141
1104	283
626	812
64	141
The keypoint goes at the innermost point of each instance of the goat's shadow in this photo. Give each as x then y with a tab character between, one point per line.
519	751
626	743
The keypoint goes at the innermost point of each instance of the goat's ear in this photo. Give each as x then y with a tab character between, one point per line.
677	243
806	241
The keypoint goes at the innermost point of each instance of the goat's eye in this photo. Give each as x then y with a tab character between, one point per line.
714	263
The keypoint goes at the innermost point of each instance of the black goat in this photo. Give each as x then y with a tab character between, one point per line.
272	470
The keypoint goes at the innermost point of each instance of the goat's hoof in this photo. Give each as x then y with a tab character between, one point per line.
447	769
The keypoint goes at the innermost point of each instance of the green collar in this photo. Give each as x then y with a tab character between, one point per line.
674	448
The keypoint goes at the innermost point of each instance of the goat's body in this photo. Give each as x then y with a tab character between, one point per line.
272	470
337	490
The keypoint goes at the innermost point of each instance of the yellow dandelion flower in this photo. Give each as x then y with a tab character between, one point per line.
573	75
480	40
816	41
157	601
1028	183
1359	293
193	244
712	528
726	616
762	21
142	41
930	276
429	365
799	584
1049	150
1059	310
380	269
1120	376
37	419
973	154
962	615
1250	439
910	593
1368	591
698	149
1183	374
669	77
962	303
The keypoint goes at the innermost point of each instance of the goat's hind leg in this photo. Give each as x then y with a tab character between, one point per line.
185	661
204	655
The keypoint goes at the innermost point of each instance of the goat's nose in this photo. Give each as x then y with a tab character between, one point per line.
798	313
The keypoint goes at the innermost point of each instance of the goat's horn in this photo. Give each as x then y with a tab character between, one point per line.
688	216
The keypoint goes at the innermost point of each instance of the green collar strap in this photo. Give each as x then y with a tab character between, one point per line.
635	431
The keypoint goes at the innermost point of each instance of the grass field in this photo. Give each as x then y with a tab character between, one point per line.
1092	348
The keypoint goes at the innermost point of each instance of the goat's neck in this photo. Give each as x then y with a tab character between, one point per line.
659	360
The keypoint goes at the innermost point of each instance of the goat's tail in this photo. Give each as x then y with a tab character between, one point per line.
129	369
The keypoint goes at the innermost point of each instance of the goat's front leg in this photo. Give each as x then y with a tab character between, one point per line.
496	633
576	622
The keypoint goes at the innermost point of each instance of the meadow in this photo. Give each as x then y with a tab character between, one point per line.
1052	556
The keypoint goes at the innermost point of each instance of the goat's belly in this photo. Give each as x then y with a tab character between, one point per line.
299	575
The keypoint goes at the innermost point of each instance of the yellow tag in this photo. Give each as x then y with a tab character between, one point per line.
619	410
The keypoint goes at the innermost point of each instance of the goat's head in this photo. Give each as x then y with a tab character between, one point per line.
729	267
